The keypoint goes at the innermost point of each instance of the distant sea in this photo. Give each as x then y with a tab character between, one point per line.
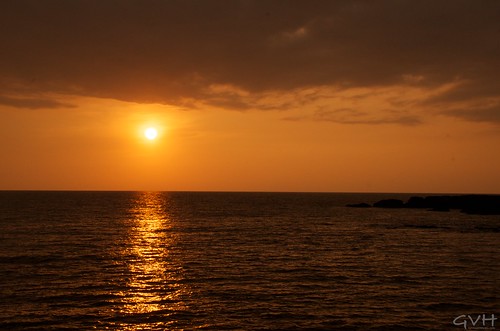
242	261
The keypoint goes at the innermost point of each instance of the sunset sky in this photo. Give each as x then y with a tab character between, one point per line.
339	96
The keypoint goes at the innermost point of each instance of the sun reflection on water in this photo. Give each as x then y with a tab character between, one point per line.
154	289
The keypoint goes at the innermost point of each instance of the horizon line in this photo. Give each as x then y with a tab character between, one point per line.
245	191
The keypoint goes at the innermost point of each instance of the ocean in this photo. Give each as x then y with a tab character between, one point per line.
242	261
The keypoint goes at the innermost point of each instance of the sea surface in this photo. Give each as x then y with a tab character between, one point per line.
241	261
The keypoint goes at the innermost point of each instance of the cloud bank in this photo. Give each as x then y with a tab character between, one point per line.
258	54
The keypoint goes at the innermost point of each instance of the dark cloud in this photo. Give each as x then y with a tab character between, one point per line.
173	51
477	114
32	103
354	116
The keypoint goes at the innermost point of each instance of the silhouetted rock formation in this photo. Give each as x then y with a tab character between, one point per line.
470	204
416	202
389	203
440	202
481	204
359	205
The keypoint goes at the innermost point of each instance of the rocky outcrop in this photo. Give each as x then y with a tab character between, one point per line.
389	203
470	204
416	202
481	204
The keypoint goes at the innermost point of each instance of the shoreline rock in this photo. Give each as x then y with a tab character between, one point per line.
470	204
389	203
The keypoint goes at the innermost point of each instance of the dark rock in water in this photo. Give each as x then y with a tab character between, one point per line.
389	203
416	202
470	204
439	202
480	204
359	205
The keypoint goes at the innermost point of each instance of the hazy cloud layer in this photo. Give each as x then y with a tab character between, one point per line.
258	54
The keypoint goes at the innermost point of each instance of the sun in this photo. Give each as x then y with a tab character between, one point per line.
151	133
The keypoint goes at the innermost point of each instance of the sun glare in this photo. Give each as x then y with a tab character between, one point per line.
151	133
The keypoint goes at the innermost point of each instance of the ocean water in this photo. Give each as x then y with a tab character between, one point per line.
241	261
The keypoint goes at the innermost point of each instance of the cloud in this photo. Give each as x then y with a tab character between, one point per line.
32	103
477	114
175	52
405	105
352	116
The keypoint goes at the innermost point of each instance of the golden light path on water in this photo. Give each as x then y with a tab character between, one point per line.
153	288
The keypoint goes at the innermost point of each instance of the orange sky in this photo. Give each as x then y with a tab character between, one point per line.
354	96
